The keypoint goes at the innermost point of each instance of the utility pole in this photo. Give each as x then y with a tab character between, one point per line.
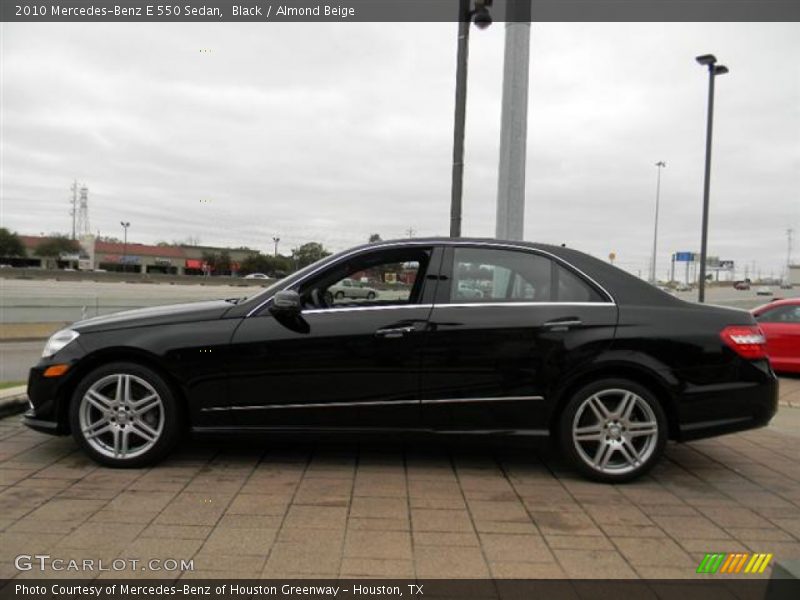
480	16
410	232
125	225
672	269
74	211
514	123
707	60
789	234
660	165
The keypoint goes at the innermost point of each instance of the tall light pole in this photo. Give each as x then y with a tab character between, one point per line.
480	16
276	239
714	69
660	165
125	225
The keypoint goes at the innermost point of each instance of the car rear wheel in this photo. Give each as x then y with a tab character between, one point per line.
124	415
613	430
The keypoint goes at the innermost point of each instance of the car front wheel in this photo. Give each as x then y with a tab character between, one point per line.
613	430
124	415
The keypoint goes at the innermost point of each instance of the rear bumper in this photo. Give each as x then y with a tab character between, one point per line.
711	410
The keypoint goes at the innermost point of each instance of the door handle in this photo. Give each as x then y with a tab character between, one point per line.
394	332
563	324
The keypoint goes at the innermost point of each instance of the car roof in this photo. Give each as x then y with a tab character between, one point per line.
624	288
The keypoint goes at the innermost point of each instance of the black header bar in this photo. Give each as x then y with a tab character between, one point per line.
140	11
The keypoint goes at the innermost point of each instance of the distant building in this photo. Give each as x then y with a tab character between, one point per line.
139	258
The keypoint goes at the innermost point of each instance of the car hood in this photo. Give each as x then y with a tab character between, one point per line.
155	315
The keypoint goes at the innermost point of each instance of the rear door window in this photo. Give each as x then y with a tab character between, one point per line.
488	275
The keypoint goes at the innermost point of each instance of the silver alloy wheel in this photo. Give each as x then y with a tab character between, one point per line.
121	416
615	431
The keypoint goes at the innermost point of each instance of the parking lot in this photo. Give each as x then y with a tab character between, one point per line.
400	510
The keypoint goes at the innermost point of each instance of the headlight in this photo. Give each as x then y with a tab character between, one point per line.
57	341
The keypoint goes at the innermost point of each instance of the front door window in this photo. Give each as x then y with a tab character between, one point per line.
383	278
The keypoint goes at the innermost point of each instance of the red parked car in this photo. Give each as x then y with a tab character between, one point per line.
780	322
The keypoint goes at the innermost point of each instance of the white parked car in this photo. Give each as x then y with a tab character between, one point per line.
763	291
256	276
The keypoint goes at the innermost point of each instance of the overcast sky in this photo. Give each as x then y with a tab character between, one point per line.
331	132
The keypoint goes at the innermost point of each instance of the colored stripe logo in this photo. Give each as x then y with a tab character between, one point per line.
735	562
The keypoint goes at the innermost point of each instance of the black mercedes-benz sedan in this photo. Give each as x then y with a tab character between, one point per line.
462	336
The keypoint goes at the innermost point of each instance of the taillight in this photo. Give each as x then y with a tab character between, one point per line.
747	341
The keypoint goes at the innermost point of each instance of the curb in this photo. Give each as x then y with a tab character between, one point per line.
13	404
13	400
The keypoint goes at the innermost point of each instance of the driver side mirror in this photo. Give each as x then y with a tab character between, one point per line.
286	302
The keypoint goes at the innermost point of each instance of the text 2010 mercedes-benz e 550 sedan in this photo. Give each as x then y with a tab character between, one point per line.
557	343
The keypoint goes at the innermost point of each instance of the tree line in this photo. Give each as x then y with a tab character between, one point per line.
219	261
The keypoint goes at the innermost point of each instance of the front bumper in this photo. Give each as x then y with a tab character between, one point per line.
46	394
29	419
49	396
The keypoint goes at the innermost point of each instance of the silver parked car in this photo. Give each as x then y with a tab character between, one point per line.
348	288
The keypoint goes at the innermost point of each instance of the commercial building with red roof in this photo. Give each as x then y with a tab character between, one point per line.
97	254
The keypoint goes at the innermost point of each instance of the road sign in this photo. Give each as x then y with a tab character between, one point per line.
684	257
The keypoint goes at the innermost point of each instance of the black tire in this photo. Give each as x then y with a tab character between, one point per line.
166	420
338	295
371	296
635	451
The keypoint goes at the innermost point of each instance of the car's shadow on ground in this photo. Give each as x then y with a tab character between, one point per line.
356	450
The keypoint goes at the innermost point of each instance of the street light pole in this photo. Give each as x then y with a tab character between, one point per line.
660	164
482	20
125	225
276	240
714	69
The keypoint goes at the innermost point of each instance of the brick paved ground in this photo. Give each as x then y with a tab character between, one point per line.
790	391
392	511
